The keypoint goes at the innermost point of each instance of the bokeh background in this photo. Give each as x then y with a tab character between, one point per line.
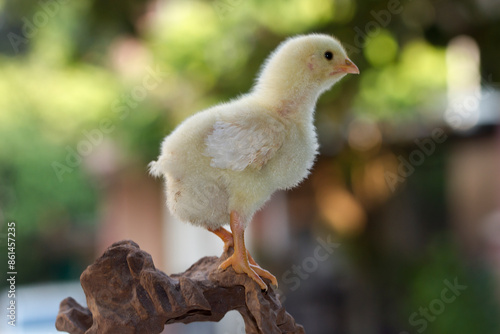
397	230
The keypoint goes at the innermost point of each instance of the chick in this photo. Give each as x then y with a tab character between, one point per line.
222	164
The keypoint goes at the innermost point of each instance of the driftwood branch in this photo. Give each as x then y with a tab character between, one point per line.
127	294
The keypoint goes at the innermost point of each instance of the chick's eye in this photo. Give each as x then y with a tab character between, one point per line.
329	55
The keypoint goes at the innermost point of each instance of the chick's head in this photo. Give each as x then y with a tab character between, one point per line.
327	60
314	60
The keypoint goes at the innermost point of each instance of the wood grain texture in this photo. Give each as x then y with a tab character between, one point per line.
127	294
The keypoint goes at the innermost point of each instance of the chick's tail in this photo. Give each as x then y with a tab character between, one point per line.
155	168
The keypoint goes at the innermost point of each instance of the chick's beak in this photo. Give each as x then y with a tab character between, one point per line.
348	67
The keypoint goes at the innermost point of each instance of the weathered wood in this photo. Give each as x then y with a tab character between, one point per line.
127	294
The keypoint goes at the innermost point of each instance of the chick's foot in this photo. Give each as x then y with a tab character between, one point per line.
240	265
241	261
262	272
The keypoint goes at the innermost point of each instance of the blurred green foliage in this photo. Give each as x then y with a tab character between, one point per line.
449	297
67	63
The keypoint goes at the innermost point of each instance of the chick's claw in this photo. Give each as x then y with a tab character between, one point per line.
264	273
242	266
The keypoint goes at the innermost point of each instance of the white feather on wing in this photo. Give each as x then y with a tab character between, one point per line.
237	145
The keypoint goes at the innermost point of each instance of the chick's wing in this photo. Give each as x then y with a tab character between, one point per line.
244	143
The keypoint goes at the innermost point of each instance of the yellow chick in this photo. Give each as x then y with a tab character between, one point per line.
222	164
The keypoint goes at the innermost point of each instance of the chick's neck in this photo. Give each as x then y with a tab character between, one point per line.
294	99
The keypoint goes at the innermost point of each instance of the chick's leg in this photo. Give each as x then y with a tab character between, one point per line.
225	235
240	258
